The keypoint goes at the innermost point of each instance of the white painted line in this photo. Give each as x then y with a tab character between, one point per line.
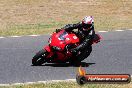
66	80
51	34
4	85
130	29
55	80
2	37
42	81
48	81
30	82
102	31
15	36
71	80
18	84
119	30
33	35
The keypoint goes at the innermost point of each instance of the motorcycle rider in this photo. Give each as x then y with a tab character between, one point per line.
85	32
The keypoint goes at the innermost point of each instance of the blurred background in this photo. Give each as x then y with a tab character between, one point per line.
25	17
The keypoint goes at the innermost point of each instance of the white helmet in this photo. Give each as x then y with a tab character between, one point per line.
87	22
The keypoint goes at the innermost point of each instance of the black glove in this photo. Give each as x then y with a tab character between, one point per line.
58	30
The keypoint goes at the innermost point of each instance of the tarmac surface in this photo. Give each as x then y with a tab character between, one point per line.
113	55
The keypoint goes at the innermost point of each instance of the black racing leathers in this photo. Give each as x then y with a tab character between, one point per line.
85	36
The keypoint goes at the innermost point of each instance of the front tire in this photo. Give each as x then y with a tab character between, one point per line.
39	58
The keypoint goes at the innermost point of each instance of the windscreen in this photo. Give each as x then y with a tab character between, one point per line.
62	36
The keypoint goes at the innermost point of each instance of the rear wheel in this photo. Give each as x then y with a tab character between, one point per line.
83	55
39	58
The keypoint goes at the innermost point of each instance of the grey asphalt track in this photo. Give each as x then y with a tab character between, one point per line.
112	55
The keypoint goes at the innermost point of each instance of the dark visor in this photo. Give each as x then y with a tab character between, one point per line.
86	26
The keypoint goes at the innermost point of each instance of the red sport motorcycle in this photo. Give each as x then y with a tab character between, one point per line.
58	49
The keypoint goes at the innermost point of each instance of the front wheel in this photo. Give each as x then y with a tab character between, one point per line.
39	58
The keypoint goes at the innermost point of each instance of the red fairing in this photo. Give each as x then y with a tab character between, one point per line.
63	38
60	45
60	40
47	48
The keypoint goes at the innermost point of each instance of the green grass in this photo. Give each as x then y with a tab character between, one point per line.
69	85
28	29
25	17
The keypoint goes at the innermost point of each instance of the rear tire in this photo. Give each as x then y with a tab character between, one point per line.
76	61
39	58
85	53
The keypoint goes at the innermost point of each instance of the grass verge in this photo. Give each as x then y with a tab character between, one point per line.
28	17
30	29
69	85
